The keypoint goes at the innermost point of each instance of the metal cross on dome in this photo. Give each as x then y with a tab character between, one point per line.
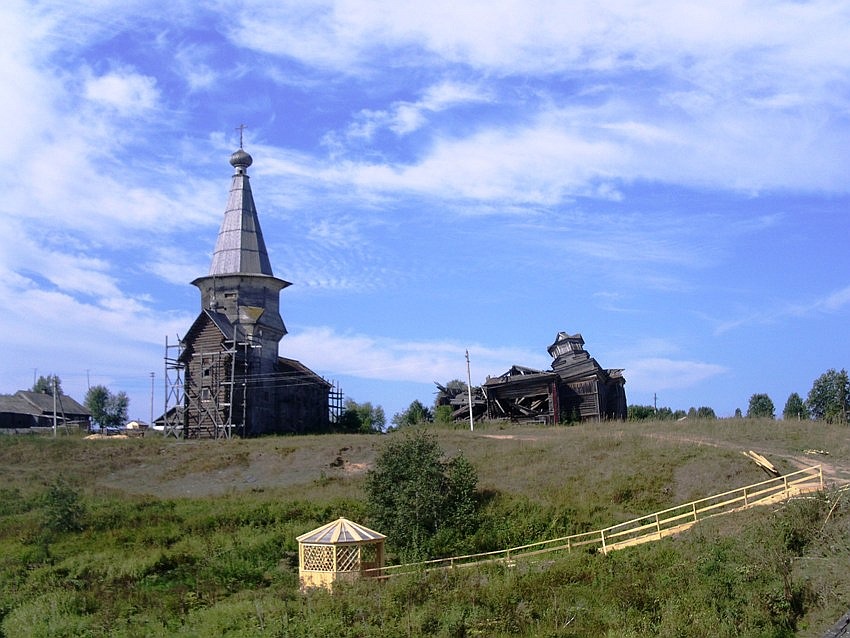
241	128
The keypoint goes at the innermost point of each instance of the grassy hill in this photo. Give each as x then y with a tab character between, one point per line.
158	537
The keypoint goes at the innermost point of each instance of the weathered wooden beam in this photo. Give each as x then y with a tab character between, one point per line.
762	462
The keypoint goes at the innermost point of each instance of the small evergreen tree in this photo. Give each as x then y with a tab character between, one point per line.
415	414
761	407
44	385
795	408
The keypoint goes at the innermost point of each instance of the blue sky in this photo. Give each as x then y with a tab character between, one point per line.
669	181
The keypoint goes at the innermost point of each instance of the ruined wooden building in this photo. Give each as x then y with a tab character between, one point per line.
576	389
225	375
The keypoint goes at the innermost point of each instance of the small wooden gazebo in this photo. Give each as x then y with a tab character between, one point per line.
341	550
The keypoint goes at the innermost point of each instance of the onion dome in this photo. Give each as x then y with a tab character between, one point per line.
241	159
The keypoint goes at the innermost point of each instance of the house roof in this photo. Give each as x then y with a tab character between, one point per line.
13	404
44	403
285	364
240	248
340	532
518	373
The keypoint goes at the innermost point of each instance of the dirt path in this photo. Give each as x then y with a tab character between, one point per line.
835	471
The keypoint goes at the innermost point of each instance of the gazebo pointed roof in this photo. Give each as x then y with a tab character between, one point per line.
339	532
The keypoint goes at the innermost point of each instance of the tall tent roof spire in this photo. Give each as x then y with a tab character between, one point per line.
240	247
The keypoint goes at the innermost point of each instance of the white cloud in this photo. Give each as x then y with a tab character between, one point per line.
127	92
696	95
176	265
835	301
657	374
28	87
337	233
523	36
538	165
191	62
372	357
403	117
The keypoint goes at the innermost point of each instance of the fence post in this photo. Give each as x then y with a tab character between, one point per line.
604	548
785	485
569	546
694	506
746	502
657	525
820	475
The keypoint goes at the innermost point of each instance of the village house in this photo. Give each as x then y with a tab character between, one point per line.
25	409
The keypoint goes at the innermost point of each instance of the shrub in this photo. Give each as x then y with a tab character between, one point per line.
443	414
413	494
63	510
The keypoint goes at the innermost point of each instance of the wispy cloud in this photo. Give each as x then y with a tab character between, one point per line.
403	118
707	113
192	64
129	93
830	303
374	357
657	374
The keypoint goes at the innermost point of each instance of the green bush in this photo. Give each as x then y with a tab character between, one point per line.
63	509
415	496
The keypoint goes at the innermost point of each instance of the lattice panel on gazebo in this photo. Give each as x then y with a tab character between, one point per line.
347	558
319	558
368	554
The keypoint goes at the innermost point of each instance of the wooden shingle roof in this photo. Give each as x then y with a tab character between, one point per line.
240	248
44	403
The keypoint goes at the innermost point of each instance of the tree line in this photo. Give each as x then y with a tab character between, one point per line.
828	400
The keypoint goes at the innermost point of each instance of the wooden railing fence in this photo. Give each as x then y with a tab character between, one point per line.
638	530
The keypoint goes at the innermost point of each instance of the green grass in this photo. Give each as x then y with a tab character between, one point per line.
198	538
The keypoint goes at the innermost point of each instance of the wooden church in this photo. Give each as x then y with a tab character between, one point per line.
227	376
576	389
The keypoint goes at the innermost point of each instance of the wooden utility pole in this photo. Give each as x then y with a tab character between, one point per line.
54	405
469	392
